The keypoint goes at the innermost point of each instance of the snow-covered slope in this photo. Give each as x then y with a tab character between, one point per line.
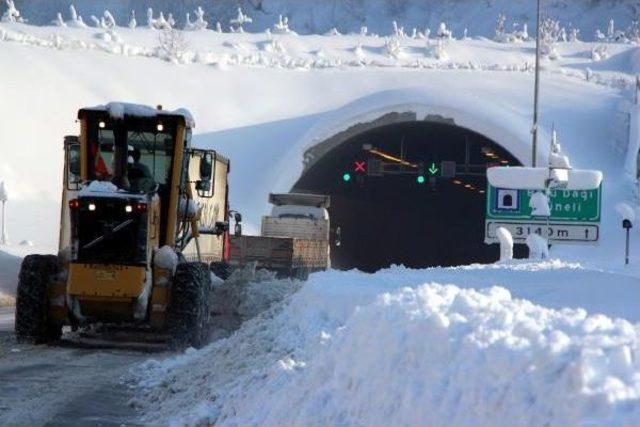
263	106
316	16
400	348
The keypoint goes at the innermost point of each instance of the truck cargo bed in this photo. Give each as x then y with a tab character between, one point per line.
285	255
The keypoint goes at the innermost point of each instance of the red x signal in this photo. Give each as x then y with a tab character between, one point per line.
360	166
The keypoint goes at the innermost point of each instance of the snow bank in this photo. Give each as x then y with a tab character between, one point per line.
626	212
166	258
392	349
527	178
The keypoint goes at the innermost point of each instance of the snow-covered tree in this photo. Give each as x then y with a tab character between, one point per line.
633	32
11	14
364	31
500	27
613	35
333	32
398	31
574	35
218	27
108	20
151	22
393	48
440	53
599	52
73	12
76	19
188	25
240	20
550	33
59	21
172	44
162	23
516	35
200	23
444	33
611	28
132	20
171	21
282	26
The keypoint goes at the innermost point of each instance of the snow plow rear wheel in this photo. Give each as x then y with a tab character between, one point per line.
189	314
33	320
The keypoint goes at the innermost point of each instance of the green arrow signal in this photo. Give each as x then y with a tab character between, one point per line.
433	169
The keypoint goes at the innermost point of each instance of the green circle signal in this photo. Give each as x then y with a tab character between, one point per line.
346	177
420	179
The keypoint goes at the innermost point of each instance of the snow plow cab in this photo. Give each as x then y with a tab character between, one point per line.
143	219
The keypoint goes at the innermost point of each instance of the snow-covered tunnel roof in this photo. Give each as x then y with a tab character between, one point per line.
506	127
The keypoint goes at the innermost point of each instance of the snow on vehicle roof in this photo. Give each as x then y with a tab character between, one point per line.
106	189
118	110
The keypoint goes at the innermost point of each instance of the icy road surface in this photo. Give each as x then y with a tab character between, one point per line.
41	385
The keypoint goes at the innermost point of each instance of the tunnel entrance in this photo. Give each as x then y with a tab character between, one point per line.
396	202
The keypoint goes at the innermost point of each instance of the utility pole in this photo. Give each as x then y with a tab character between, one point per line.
536	94
3	200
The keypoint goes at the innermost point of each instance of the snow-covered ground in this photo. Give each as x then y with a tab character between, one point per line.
402	347
555	343
319	17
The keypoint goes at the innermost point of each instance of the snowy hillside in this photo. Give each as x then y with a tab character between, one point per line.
349	16
263	99
515	343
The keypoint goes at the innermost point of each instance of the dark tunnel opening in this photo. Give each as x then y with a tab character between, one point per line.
393	204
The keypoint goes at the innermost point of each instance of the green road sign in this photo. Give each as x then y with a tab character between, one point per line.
575	215
566	205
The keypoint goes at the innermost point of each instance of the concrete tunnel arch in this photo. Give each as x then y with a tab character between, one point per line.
386	222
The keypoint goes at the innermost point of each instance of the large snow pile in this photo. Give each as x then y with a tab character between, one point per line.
395	348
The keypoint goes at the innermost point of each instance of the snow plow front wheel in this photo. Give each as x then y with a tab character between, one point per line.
189	314
33	320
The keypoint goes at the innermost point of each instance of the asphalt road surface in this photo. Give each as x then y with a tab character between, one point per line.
54	386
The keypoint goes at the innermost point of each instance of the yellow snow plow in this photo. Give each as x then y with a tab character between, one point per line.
143	221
